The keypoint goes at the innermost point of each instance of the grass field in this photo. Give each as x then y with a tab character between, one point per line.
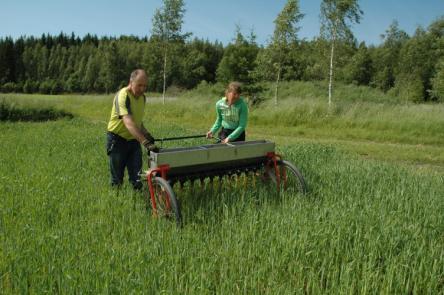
371	223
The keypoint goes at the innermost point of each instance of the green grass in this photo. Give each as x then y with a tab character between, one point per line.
364	227
411	134
370	223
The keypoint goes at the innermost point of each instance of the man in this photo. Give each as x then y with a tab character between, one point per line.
126	131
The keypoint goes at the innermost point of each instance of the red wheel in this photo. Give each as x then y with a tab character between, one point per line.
286	177
165	202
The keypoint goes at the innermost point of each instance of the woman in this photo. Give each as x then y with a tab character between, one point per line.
231	114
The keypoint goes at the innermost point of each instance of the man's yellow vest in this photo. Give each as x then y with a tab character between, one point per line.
126	104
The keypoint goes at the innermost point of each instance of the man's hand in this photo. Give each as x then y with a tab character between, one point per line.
209	134
149	137
226	140
150	147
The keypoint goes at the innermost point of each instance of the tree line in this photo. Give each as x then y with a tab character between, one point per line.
411	67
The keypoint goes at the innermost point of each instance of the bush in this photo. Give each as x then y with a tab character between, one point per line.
30	86
205	89
73	84
174	90
9	112
8	87
438	83
56	87
409	88
46	87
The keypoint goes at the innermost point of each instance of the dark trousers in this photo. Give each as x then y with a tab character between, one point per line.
224	133
123	153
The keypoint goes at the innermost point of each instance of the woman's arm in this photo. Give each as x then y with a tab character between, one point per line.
243	119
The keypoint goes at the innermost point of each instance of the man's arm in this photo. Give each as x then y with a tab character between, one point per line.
133	129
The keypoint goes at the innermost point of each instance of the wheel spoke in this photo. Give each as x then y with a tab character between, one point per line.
289	178
166	204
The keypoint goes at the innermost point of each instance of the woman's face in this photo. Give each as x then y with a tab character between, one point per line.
232	96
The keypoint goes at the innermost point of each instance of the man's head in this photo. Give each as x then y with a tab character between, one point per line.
138	82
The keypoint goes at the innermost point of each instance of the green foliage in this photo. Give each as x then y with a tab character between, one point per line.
410	87
199	63
337	17
238	64
46	86
286	24
73	84
7	60
238	60
279	60
314	57
438	82
415	65
110	75
206	90
168	21
90	81
66	63
167	33
9	87
359	70
386	57
31	86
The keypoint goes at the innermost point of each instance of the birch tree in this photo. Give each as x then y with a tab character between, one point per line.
336	19
167	30
284	36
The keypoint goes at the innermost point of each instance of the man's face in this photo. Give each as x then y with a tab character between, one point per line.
138	86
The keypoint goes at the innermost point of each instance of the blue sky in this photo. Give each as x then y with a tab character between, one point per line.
208	19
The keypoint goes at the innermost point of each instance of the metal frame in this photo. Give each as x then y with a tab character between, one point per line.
242	157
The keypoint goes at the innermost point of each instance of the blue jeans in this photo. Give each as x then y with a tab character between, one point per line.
123	153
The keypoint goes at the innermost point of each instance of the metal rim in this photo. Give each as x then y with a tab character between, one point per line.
291	180
167	205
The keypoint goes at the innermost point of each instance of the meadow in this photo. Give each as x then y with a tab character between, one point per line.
371	222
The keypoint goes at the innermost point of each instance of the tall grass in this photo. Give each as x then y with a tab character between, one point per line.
10	112
361	120
365	227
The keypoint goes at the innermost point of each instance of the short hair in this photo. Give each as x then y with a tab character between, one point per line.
235	87
136	73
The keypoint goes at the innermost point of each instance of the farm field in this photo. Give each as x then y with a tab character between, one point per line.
371	222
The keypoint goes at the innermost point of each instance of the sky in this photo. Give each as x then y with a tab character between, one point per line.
214	20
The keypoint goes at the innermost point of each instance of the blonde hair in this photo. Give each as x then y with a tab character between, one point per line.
235	87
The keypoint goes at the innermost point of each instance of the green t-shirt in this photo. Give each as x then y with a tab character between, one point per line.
126	104
232	117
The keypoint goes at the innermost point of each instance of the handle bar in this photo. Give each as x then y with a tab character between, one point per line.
180	137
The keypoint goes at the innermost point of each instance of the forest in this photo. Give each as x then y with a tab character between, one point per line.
409	67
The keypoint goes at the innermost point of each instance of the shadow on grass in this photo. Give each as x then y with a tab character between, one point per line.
11	113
